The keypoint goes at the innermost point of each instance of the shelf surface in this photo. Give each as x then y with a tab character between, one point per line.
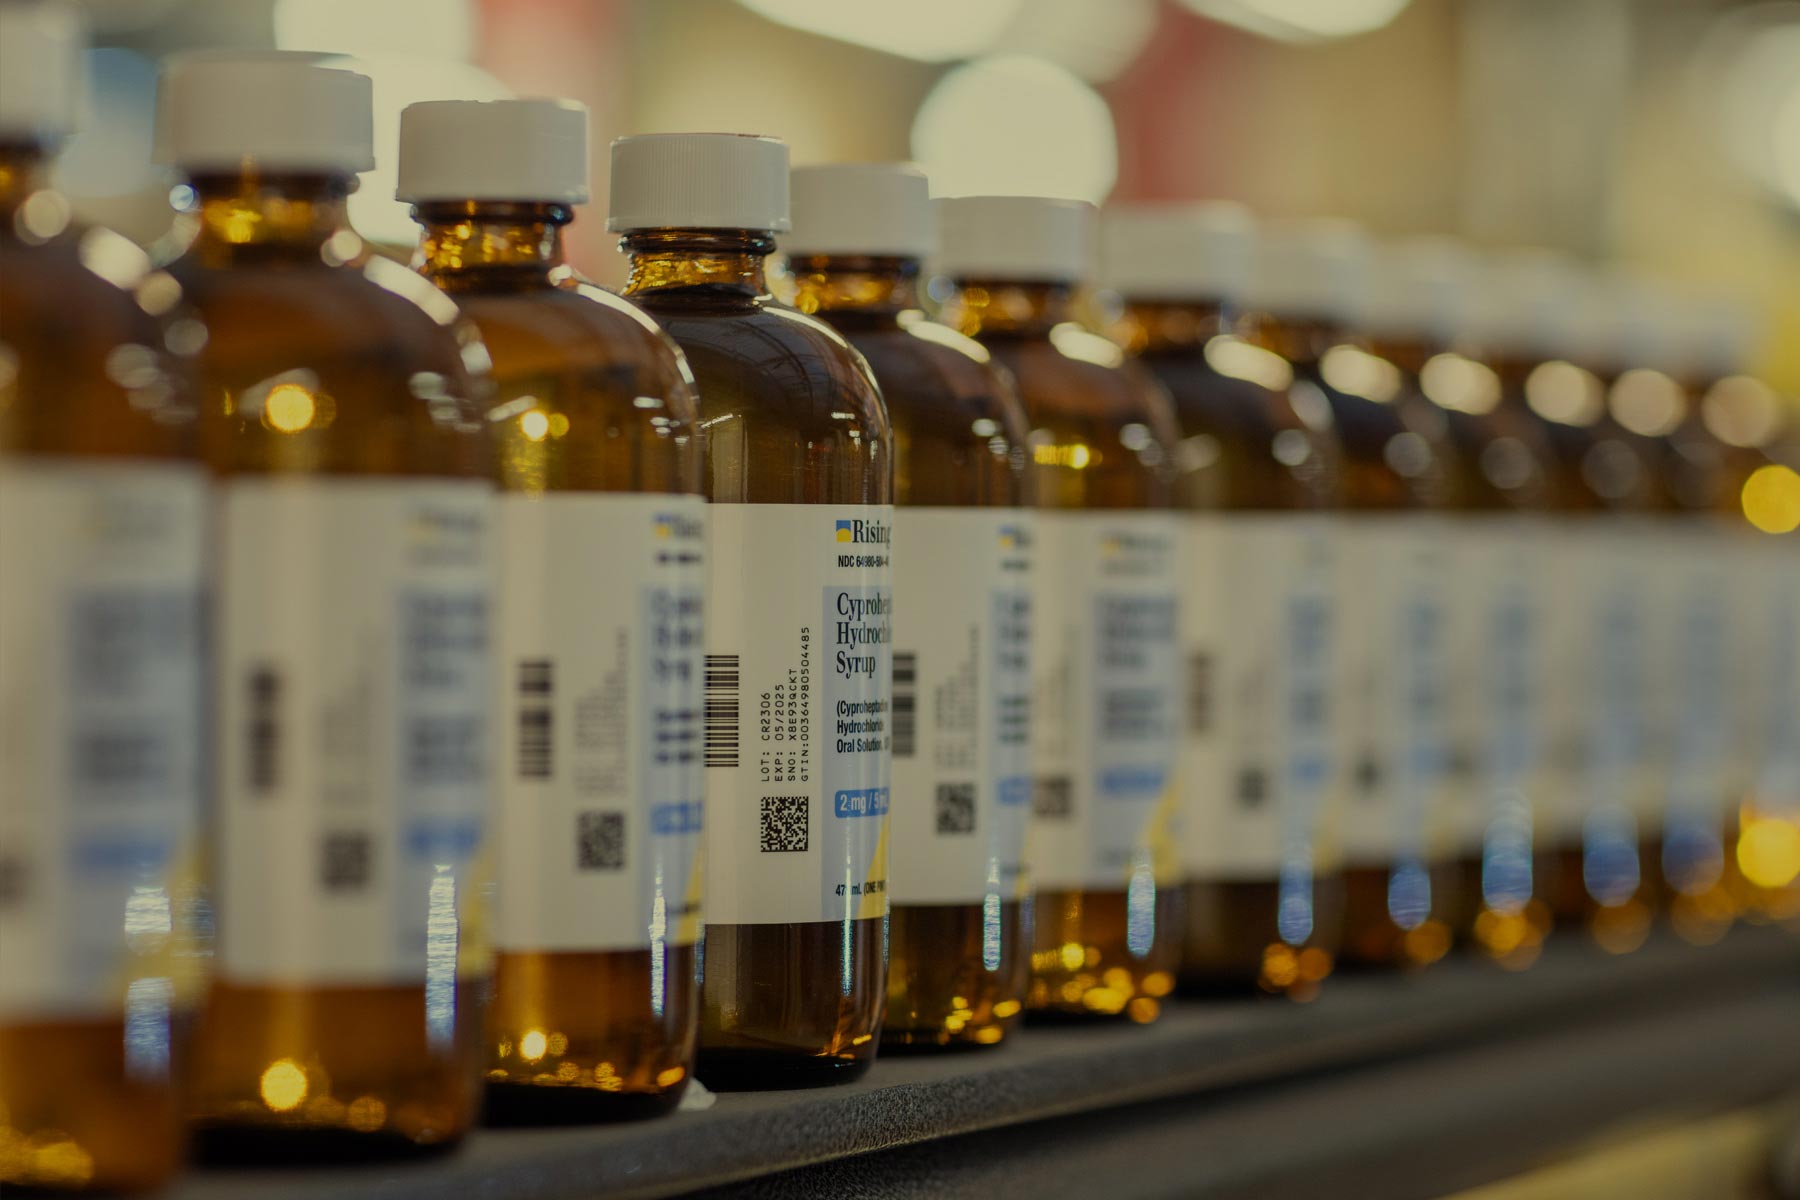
1377	1067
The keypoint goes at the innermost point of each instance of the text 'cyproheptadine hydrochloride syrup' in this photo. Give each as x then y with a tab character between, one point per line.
1255	477
102	572
1106	698
345	426
957	958
799	720
597	625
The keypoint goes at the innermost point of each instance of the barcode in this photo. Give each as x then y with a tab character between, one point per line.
721	710
906	704
1200	692
534	718
264	729
344	862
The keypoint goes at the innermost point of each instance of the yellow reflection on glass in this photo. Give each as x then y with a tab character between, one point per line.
1240	360
534	1045
1076	457
283	1085
1771	498
1565	393
1356	372
289	408
535	425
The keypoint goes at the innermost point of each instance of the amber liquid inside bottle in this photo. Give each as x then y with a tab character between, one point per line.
1597	472
296	1070
954	979
1392	462
1500	458
1090	421
790	417
73	1110
594	402
1249	452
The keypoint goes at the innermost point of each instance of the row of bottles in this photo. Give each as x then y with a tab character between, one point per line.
540	659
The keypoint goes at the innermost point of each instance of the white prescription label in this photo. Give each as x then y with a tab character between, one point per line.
600	660
354	704
1106	700
798	715
1205	570
962	705
1269	819
102	568
1393	686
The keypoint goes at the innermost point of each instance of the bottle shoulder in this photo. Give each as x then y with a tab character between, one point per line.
764	357
580	340
96	346
359	368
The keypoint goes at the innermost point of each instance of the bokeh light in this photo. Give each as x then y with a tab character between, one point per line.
1016	125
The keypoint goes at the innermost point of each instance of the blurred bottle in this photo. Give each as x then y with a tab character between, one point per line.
1626	755
958	936
1390	655
598	625
1105	699
1745	457
102	569
1251	478
799	468
1690	568
1427	315
344	425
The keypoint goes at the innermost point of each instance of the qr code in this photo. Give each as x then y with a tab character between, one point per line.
346	862
956	808
785	821
1053	798
600	841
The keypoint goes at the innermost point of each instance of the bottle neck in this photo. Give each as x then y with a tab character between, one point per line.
466	241
989	307
1302	340
844	283
252	215
24	171
720	261
1171	326
1409	353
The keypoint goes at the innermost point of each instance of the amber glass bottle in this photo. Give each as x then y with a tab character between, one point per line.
343	424
1105	686
1310	282
1624	754
1252	474
1426	316
958	951
102	556
596	987
1598	473
1740	449
799	468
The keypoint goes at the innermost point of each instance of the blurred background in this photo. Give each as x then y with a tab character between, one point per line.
1662	135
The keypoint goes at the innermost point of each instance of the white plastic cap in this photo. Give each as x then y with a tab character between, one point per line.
699	181
1529	305
41	74
1422	288
1317	269
524	150
1025	238
1177	252
861	208
278	110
